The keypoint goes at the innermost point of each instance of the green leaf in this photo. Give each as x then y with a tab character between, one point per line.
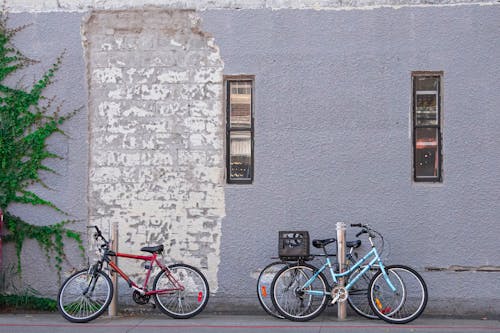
27	120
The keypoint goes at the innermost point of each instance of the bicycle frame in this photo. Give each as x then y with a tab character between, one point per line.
328	264
152	259
179	290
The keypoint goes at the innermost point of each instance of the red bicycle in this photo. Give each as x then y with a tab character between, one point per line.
179	290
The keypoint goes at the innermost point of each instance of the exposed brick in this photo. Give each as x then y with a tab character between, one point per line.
156	91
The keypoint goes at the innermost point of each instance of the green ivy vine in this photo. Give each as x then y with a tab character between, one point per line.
27	119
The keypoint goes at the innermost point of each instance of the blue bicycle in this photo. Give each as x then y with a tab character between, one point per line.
396	293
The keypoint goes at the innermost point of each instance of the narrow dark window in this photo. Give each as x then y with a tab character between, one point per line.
427	114
239	129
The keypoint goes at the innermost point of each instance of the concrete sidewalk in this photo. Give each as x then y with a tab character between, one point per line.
209	322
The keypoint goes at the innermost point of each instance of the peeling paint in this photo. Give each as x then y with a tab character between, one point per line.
152	122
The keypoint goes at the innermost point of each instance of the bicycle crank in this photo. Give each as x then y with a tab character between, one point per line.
139	298
339	294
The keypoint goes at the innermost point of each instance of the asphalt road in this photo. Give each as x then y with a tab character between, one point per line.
213	323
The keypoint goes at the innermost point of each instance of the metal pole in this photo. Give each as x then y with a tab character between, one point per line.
113	306
341	304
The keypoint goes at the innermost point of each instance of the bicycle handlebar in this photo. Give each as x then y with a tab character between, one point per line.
98	234
372	233
366	229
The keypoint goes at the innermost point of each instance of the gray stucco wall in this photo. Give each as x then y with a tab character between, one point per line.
333	140
45	39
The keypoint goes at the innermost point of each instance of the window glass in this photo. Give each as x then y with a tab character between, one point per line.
427	160
427	83
240	104
239	129
241	155
426	109
426	152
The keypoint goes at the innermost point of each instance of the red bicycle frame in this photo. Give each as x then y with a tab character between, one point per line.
152	259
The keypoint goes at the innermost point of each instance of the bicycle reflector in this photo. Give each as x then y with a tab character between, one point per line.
379	306
386	310
263	291
200	296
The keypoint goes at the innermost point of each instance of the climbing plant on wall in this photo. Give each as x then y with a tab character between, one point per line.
27	119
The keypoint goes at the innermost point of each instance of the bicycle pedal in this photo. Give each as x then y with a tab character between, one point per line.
153	305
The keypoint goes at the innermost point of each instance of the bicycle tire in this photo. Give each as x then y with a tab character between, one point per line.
181	304
358	294
84	296
292	302
264	282
404	305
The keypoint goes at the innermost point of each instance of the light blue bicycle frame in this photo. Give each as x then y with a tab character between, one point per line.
376	258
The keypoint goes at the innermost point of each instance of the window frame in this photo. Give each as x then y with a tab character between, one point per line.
227	79
438	126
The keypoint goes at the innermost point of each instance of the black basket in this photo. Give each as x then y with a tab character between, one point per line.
293	245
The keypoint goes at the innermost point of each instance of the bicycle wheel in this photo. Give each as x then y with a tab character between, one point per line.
264	281
358	294
405	304
181	303
297	303
84	296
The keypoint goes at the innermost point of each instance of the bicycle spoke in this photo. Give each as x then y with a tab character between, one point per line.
292	300
264	281
358	294
406	303
181	303
76	306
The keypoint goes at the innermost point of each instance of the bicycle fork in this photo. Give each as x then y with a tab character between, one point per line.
390	284
93	279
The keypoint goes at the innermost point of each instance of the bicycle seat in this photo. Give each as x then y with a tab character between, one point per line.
320	243
153	249
355	244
